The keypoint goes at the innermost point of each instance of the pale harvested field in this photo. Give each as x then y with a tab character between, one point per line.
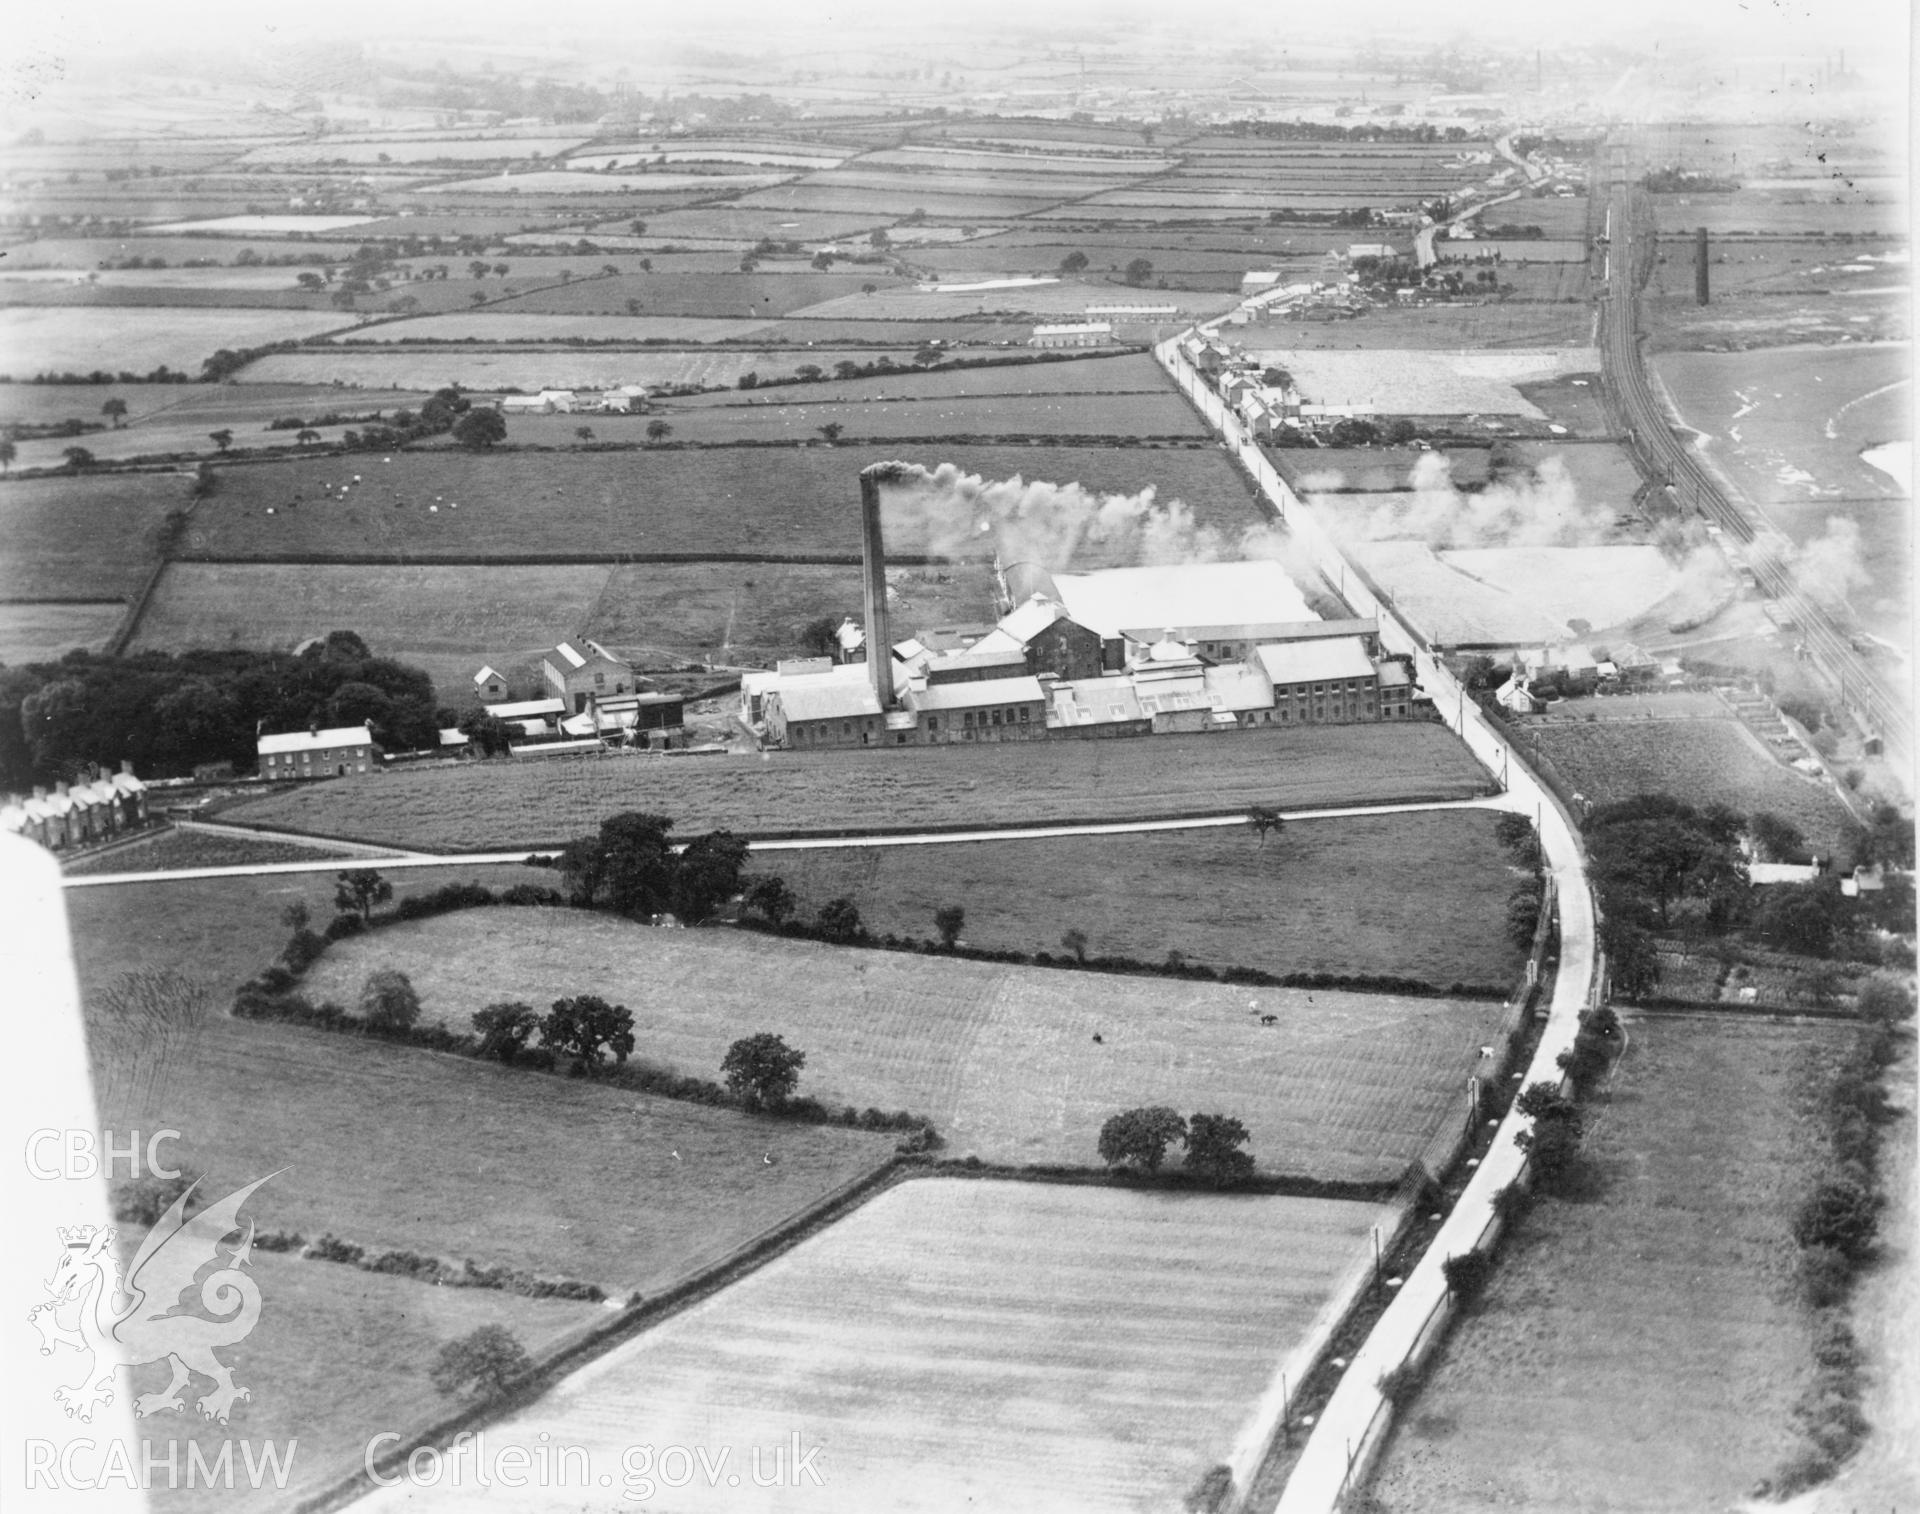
486	806
960	1345
1426	382
1446	605
1002	1059
1604	586
75	339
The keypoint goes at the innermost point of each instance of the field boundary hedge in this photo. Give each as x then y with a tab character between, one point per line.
272	995
596	1340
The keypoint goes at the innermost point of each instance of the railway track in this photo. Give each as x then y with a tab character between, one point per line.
1861	687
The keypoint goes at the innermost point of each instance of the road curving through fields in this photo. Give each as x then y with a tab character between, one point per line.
1353	1427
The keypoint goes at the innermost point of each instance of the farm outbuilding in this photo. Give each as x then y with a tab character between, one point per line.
582	675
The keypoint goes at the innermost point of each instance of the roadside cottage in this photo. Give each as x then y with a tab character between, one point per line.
337	752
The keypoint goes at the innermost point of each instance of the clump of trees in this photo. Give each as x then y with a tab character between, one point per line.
630	866
482	1362
1137	1140
170	712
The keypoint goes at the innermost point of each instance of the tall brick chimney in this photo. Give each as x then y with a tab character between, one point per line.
873	560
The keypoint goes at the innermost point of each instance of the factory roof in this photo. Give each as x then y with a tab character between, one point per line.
311	741
1279	630
1027	620
978	658
527	708
826	699
1096	701
1238	687
1194	594
1311	661
985	691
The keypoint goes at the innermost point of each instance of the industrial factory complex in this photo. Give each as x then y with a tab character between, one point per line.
1120	652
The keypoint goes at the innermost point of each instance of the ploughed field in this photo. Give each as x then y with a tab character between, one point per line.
1012	1064
957	1345
513	803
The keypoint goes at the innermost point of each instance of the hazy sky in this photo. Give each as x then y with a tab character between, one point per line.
1739	23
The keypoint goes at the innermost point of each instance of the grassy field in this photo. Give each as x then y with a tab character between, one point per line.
1699	761
564	368
732	294
93	537
1129	374
77	340
1308	900
692	502
46	632
1004	1060
502	804
1658	1315
446	620
670	614
339	1356
1161	415
962	1345
477	1163
174	849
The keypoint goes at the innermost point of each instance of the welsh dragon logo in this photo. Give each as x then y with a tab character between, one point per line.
91	1308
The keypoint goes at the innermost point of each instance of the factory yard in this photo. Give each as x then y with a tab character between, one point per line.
956	1345
504	804
1013	1064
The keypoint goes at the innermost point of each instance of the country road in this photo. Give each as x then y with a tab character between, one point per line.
1650	428
398	861
1353	1425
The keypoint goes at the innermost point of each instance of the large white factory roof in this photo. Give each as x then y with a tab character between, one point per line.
1175	598
1306	661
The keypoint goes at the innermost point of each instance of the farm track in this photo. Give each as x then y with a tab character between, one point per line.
1650	429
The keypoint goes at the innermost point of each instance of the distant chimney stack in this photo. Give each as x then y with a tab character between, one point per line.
873	558
1700	290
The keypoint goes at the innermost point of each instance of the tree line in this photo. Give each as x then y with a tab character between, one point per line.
167	713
